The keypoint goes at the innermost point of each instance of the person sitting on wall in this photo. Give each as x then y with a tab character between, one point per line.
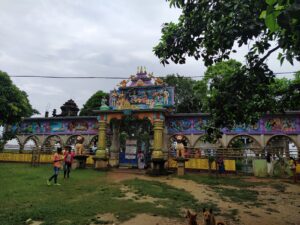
79	147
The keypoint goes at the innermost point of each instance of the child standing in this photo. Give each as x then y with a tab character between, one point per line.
221	166
57	157
68	159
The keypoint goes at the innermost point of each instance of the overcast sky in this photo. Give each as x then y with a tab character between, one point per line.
86	38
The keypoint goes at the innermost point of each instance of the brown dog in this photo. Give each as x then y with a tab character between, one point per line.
192	218
209	218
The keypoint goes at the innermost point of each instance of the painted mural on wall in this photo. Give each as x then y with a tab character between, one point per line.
58	126
281	124
186	125
141	91
267	125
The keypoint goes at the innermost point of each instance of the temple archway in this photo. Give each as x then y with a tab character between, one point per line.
244	145
13	144
50	141
204	148
30	143
282	146
72	140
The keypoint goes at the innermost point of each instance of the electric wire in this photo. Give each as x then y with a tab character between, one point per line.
107	77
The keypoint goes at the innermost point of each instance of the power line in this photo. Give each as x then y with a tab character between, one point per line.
107	77
67	77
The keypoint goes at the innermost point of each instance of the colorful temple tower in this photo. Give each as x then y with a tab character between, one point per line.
143	97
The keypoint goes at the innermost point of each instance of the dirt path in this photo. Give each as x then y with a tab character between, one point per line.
274	206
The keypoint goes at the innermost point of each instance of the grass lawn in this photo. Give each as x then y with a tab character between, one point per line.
24	194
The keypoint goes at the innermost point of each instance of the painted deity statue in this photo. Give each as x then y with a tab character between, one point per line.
79	147
114	97
123	83
166	97
180	149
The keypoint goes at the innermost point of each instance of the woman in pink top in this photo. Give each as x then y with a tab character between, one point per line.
57	158
68	159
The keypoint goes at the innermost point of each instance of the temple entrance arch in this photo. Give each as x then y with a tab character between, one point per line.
140	104
132	135
282	146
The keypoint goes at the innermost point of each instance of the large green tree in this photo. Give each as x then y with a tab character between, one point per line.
186	99
230	100
291	96
209	29
93	103
14	105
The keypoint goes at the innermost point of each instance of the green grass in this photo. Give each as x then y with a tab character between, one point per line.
24	194
238	195
226	181
171	197
279	187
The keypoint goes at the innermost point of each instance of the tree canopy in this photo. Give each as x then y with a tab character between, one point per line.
234	96
14	105
93	103
186	99
210	28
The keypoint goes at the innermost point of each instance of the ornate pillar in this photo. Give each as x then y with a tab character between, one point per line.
101	151
115	147
101	159
158	139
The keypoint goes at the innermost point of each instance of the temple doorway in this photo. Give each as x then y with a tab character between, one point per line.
135	136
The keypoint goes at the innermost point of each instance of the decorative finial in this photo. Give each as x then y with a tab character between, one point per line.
141	70
138	69
145	69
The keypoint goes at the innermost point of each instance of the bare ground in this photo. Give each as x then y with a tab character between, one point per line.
275	206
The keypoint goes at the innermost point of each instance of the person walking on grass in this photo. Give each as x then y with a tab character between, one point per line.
57	158
68	159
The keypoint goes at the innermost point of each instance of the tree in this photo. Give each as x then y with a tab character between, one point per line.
291	97
210	28
93	103
14	105
186	99
234	96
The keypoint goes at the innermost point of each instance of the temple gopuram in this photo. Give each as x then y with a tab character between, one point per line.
140	117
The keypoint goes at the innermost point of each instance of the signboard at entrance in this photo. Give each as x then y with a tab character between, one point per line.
130	151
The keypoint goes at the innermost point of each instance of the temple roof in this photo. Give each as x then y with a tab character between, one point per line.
69	108
141	79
